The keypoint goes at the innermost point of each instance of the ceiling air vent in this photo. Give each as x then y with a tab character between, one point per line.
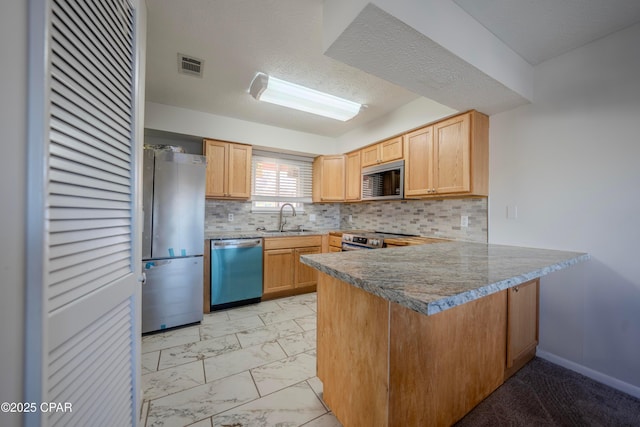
190	65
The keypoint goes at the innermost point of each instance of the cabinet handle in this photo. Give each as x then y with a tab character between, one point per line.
516	289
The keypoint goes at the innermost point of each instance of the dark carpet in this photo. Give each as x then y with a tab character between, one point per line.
545	394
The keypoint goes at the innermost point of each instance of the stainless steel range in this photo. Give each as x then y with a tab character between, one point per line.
367	240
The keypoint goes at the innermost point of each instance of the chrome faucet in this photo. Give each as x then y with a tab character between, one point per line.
281	223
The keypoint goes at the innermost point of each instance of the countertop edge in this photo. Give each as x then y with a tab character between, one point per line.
442	304
228	235
450	302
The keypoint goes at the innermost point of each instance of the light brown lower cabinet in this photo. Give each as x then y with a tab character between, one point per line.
283	273
522	327
278	271
335	243
385	365
305	276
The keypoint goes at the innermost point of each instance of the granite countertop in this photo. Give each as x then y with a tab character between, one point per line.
223	235
413	240
432	278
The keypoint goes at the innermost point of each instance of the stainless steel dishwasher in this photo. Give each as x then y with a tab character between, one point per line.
236	272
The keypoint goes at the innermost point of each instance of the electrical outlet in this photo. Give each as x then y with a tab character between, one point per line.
350	219
464	221
230	217
312	217
512	212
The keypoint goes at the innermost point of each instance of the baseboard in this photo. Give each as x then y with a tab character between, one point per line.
588	372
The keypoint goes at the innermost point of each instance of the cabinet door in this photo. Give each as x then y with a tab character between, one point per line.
216	154
370	155
278	270
452	154
239	178
305	276
332	178
353	176
418	164
391	150
522	327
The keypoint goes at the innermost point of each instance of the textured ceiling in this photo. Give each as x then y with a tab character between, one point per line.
237	38
381	44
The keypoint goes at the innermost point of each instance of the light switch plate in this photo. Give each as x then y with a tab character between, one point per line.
464	221
312	217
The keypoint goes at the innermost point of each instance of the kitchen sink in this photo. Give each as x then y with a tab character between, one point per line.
295	232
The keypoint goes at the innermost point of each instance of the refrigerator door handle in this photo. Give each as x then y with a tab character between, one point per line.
143	278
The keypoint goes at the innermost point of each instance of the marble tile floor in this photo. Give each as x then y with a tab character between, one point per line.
249	366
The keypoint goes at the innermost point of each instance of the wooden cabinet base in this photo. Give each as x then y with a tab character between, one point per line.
443	365
385	365
519	363
352	352
283	273
288	293
522	326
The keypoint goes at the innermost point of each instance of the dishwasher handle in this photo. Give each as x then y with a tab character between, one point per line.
236	243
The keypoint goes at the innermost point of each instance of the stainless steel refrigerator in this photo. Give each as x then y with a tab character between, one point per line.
173	238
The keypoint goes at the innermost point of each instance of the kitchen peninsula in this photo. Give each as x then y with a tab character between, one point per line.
420	335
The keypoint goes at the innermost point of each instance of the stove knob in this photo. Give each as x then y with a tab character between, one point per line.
375	242
347	238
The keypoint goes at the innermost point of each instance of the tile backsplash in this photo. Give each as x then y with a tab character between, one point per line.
217	217
431	218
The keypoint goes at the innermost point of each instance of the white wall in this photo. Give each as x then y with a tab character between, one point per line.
189	122
410	116
13	87
570	161
178	125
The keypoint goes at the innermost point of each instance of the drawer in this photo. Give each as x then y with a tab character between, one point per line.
292	242
335	241
410	241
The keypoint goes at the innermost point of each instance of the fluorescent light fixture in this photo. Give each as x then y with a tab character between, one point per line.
276	91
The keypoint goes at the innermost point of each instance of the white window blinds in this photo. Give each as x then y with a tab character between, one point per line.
279	178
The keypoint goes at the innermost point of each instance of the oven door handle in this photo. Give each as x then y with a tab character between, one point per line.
352	247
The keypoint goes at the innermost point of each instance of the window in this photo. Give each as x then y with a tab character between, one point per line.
277	179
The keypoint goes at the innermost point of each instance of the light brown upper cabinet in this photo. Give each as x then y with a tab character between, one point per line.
418	163
353	177
228	170
382	152
450	157
329	178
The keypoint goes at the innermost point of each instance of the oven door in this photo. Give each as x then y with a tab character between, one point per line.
353	247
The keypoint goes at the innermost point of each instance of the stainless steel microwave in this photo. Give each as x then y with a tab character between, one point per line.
383	182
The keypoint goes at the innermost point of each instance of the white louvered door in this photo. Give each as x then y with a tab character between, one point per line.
90	308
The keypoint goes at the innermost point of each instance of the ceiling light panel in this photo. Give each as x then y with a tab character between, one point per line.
270	89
